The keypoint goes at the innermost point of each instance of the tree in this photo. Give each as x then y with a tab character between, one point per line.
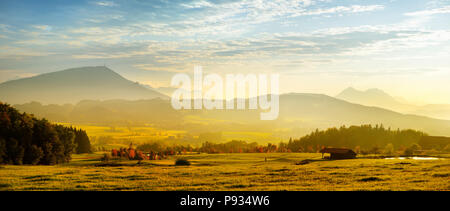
28	140
139	156
14	152
412	149
2	150
33	155
364	136
82	142
389	149
447	148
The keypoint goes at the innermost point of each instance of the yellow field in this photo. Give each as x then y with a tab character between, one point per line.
109	137
232	172
126	133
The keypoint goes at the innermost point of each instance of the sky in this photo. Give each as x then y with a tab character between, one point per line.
317	46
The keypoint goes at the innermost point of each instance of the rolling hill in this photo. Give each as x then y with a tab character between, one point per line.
379	98
74	85
99	95
306	111
374	97
441	111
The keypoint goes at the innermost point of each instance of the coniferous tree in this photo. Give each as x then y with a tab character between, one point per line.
25	139
82	142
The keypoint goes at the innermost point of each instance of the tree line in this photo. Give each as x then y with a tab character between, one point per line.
25	139
364	137
149	151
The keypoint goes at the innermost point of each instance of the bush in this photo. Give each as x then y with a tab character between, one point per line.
447	148
106	157
182	162
389	149
412	149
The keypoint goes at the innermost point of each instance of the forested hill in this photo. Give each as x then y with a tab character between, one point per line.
362	137
25	139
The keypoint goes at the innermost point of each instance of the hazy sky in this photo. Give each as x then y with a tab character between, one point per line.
324	46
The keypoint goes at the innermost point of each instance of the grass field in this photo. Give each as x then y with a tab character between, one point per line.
113	137
232	172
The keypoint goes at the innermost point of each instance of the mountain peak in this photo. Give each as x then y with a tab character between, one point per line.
372	97
376	91
349	90
89	71
353	91
73	85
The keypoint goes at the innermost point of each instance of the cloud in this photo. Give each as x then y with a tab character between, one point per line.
341	10
43	27
442	10
4	27
106	4
198	4
403	41
366	72
6	75
247	34
225	16
10	52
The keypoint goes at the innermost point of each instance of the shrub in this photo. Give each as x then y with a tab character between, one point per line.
370	179
182	162
389	149
447	148
412	149
106	157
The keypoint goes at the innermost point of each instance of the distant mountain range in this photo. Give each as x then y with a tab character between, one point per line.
74	85
99	95
374	97
379	98
440	111
305	111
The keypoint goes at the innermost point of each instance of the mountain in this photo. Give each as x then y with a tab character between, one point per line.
379	98
298	112
374	97
328	111
440	111
166	90
74	85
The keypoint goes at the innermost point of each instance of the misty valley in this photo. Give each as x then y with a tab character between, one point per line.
110	133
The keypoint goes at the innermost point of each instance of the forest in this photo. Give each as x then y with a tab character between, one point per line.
25	139
364	137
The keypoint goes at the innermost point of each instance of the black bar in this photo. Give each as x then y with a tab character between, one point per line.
152	200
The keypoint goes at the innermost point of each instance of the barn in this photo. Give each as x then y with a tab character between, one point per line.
339	153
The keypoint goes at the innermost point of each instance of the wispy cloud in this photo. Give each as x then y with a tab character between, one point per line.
7	74
288	36
106	3
442	10
341	10
43	27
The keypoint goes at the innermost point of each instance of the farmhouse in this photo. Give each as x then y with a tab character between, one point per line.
339	153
